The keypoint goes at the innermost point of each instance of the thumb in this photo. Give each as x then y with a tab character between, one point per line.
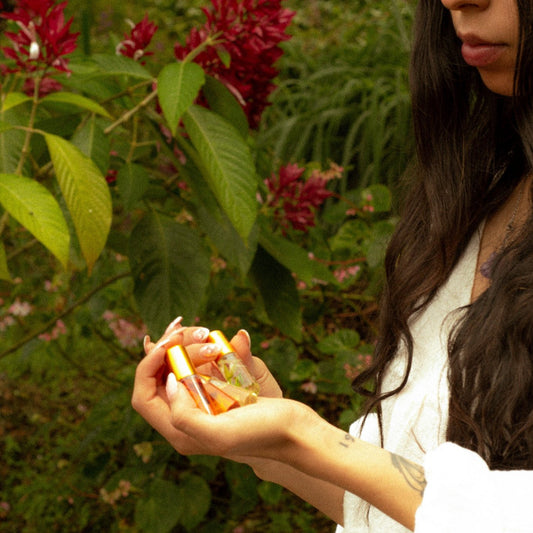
177	393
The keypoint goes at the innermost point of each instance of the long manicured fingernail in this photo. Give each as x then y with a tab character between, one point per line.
247	335
176	321
146	342
161	344
171	386
208	350
200	334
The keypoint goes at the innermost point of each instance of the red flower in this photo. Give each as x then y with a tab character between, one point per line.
43	39
295	200
248	34
135	43
47	85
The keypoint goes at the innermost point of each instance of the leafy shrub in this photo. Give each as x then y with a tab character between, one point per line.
155	205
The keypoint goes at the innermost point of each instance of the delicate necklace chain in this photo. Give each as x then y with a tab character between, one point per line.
486	267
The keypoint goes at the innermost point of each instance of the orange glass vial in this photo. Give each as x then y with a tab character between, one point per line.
206	395
240	395
230	365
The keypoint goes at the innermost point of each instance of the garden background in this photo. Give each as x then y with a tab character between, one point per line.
142	179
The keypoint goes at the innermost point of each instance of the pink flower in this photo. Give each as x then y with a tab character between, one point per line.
18	308
248	34
294	199
57	330
43	39
310	387
135	43
6	322
127	333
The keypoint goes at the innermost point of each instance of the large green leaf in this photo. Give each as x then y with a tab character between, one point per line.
178	85
4	270
161	507
217	225
279	293
76	100
227	162
34	206
94	143
86	194
294	258
119	65
14	99
171	267
222	101
133	180
196	500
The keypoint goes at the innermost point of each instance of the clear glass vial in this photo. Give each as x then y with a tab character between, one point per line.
230	365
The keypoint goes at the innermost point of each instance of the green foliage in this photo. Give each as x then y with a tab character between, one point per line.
90	264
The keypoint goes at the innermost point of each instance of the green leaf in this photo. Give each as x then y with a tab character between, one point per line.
178	85
228	165
222	101
294	258
132	181
11	143
34	206
303	369
119	65
86	194
381	234
94	143
343	340
379	196
271	493
196	493
14	99
4	126
171	267
217	225
77	100
279	293
4	270
161	508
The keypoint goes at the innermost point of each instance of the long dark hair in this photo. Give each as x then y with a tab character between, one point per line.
472	148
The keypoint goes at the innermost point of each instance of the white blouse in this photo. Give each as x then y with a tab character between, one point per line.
462	495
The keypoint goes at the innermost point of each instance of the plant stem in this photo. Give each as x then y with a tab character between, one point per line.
126	116
64	313
33	114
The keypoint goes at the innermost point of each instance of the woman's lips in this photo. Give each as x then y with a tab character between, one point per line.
479	53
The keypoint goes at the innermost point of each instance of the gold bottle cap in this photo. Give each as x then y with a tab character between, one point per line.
217	337
180	362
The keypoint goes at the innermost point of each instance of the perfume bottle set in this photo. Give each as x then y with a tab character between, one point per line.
211	394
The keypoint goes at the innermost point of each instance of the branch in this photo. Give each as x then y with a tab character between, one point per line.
61	315
126	116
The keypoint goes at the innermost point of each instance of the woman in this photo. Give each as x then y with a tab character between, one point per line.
448	445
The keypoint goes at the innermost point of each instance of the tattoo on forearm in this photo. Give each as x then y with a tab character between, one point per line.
348	439
412	473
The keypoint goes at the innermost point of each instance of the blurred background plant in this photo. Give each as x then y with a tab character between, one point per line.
184	158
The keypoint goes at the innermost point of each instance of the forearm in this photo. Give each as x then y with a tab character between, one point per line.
385	480
322	495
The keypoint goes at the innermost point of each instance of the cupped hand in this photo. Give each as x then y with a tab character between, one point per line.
264	430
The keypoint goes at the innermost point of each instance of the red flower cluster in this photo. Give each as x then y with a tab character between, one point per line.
135	43
295	200
43	39
249	32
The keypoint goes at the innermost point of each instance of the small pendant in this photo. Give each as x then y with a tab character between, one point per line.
486	267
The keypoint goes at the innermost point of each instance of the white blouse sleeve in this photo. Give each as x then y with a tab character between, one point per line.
463	496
